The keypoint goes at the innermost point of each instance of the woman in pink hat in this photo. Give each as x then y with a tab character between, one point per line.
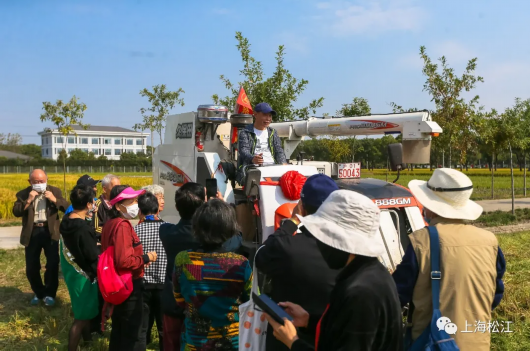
128	255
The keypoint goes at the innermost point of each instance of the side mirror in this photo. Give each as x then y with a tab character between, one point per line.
252	182
395	154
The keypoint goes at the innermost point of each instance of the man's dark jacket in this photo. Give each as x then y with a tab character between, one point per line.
102	215
247	145
298	272
28	215
364	313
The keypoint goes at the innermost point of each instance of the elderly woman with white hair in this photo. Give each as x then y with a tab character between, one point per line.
157	191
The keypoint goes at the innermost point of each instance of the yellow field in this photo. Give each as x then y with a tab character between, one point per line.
10	184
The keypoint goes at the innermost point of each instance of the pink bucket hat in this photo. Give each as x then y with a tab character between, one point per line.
127	193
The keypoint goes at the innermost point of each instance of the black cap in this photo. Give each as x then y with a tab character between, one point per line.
87	180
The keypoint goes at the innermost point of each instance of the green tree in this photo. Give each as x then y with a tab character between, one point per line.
91	156
103	160
456	115
315	148
128	159
64	116
32	150
10	141
281	90
516	130
62	157
400	109
78	155
149	150
358	107
162	101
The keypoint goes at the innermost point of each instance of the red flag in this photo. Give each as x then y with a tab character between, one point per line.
242	106
243	103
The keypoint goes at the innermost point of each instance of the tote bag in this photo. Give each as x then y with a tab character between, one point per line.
252	322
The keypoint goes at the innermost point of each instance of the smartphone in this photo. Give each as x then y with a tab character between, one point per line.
211	188
271	308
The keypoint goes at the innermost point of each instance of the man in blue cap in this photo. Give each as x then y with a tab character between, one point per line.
298	272
259	144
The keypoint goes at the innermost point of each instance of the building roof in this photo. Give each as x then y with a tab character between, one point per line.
105	129
9	154
108	129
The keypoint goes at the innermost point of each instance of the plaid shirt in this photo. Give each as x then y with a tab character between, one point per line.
148	232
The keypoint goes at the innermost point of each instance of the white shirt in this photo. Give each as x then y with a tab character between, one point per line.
262	146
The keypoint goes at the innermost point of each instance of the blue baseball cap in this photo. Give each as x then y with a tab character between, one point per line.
317	189
264	107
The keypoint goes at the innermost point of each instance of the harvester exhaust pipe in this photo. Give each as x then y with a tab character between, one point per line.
238	121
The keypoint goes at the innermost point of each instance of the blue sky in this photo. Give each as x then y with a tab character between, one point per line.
105	52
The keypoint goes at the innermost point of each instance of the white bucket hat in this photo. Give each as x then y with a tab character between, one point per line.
447	194
347	221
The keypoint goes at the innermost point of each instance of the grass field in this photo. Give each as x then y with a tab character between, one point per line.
10	184
500	218
23	327
481	181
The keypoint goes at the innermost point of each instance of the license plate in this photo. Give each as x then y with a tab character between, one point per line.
349	170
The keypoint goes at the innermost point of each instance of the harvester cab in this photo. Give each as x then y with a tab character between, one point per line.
204	144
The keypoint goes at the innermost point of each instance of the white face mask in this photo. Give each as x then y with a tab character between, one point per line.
40	188
132	211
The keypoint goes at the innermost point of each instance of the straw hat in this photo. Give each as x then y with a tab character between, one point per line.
447	194
347	221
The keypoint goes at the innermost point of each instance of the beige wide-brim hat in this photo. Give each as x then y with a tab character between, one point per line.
447	194
347	221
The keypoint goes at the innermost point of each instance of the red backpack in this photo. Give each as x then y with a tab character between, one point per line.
115	286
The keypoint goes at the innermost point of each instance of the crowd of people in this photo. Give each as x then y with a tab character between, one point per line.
189	278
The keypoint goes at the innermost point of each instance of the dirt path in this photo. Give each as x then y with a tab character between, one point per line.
503	204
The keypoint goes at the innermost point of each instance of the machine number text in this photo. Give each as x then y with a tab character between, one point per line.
393	202
184	131
172	177
349	170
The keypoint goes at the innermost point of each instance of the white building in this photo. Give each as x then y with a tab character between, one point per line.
101	140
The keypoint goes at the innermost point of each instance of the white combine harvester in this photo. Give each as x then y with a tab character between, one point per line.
198	143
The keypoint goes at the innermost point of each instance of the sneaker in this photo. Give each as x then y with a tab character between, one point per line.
35	301
49	301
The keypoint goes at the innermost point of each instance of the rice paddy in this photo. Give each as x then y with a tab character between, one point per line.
10	184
